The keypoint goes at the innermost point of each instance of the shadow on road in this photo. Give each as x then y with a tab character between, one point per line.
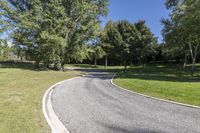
118	129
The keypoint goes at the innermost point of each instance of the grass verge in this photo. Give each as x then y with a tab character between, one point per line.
21	92
169	82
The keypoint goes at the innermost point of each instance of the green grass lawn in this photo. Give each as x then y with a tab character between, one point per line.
21	92
169	82
22	89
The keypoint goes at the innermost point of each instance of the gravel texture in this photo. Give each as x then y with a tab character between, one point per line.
91	104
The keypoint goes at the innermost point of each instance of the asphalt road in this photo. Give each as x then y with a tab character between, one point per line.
91	104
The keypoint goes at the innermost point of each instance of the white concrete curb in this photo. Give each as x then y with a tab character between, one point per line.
182	104
49	114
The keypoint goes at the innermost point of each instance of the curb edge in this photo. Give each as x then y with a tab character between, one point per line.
52	119
155	98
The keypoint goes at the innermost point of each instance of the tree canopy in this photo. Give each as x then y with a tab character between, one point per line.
181	30
127	41
53	31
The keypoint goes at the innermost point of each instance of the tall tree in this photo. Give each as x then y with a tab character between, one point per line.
191	25
126	41
106	40
5	50
125	35
53	31
182	29
146	42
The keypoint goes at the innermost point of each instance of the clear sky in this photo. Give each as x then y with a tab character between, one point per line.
133	10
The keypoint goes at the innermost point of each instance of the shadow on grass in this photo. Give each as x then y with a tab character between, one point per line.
84	65
173	73
98	67
31	66
20	65
166	72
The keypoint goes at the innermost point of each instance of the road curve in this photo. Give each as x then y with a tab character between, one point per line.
91	104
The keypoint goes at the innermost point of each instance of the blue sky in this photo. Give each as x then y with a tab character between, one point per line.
133	10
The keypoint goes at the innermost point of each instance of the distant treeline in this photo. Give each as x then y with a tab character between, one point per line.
56	32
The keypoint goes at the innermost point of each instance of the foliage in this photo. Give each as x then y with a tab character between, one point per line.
54	31
181	30
146	44
126	41
5	50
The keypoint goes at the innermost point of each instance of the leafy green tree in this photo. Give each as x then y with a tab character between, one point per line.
124	37
182	29
54	31
190	23
2	21
174	42
98	53
5	50
19	52
106	40
117	39
125	41
146	42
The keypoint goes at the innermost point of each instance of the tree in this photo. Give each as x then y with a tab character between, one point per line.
52	31
124	36
174	40
117	40
2	21
5	50
19	52
146	42
190	21
182	29
98	53
106	40
125	41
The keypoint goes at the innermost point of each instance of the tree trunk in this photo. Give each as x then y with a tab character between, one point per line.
95	62
193	65
37	64
106	61
194	59
145	61
140	60
131	60
62	68
154	59
193	53
125	65
185	61
62	59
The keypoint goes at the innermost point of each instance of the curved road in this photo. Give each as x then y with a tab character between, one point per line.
91	104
